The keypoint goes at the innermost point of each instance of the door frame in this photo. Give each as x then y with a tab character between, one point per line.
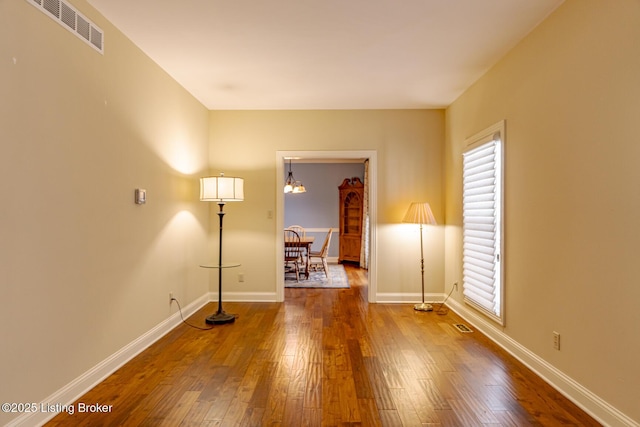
371	155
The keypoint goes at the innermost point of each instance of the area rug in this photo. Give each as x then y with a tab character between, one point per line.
317	279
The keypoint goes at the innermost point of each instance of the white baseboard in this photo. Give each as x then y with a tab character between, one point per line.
602	411
245	296
413	298
85	382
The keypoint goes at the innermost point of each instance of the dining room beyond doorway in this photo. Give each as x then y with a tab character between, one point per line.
318	209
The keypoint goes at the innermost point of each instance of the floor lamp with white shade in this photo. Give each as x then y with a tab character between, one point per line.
420	213
221	189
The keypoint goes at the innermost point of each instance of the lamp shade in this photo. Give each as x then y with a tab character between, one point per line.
419	213
221	189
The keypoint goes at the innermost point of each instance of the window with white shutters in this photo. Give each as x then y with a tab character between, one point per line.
482	222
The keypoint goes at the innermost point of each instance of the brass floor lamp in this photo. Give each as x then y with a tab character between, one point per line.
420	213
221	189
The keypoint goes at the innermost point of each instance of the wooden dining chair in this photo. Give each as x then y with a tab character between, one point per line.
321	256
302	233
292	250
298	229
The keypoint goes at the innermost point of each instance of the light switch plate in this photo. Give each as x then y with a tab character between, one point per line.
141	196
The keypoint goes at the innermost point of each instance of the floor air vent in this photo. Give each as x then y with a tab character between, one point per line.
67	16
462	328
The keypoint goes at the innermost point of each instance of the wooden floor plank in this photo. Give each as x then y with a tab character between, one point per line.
313	390
347	398
326	357
276	401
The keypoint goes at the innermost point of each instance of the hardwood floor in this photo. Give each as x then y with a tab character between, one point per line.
326	357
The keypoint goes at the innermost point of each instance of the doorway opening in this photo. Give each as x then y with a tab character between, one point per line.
326	157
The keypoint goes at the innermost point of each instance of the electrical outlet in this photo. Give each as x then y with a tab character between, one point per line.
556	340
241	277
455	285
170	297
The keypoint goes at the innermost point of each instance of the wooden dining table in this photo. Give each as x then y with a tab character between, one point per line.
305	242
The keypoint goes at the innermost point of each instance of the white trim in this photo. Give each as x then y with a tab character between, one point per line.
245	296
85	382
486	135
404	298
321	230
592	404
328	155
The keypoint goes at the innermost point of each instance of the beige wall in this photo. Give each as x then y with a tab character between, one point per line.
570	94
409	155
83	270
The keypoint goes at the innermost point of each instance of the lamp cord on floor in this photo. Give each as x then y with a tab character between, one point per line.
440	309
187	323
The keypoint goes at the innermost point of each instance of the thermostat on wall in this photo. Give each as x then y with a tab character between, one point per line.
141	196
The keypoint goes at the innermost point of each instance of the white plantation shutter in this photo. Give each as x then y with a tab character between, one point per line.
482	222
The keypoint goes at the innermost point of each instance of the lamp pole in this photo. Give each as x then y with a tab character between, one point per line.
220	317
423	306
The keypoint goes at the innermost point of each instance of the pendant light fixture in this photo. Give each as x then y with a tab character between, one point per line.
291	185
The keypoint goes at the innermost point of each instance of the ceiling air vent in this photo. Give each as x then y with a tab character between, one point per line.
52	6
69	17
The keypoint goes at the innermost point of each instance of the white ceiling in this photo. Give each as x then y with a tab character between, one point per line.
325	54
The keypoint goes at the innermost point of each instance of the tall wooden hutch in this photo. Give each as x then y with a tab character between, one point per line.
351	207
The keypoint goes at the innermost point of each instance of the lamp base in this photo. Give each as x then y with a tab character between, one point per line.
423	307
220	318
